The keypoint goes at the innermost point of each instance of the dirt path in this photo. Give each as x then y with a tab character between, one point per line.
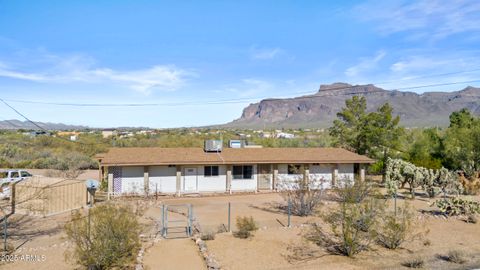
174	254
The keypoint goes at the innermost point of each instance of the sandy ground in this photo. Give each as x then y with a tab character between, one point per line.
268	249
174	254
40	244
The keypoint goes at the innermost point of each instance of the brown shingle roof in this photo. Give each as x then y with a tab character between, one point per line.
173	156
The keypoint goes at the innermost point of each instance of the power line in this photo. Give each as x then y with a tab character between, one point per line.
41	128
229	101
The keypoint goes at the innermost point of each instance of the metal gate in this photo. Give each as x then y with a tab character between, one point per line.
177	220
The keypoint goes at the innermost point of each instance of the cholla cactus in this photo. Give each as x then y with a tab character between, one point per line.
448	182
399	172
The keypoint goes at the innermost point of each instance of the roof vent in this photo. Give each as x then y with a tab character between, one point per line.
213	146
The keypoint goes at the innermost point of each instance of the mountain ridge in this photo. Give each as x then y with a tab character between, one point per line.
320	108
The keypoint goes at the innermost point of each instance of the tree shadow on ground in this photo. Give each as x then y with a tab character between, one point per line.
271	207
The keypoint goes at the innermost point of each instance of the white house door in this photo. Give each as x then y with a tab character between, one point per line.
190	180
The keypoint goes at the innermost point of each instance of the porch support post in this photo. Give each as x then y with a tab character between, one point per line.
179	180
306	175
146	180
229	179
334	175
109	184
275	177
362	172
100	173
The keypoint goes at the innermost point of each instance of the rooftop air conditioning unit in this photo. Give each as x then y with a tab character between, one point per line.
213	146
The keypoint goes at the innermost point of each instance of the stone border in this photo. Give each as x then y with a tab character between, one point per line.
210	260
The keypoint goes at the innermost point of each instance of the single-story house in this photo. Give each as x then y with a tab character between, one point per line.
195	170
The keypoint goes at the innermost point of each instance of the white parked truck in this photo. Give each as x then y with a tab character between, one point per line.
9	176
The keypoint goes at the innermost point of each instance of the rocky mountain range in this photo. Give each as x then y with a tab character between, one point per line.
320	109
17	124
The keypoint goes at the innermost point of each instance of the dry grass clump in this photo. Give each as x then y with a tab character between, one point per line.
416	262
471	186
456	256
207	236
245	225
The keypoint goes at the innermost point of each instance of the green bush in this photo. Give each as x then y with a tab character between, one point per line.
458	206
396	228
112	241
353	227
245	226
353	192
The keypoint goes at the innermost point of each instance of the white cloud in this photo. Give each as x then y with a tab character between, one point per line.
424	18
266	54
365	64
50	68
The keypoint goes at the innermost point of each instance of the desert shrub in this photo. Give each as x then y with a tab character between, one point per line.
457	206
456	256
245	226
222	228
304	196
472	219
206	236
352	227
353	191
416	262
111	241
396	228
471	186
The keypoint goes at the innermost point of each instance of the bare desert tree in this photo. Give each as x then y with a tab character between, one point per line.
304	193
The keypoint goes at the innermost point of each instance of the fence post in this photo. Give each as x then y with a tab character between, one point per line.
289	211
395	202
5	233
190	215
163	220
229	206
89	224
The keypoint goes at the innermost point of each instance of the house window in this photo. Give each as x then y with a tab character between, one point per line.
210	171
243	172
294	169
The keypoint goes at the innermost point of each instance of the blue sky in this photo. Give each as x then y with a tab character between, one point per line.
172	52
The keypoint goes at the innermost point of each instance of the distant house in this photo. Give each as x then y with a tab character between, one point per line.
284	135
265	135
194	170
108	133
72	135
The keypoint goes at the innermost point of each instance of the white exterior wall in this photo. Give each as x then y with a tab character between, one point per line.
245	184
284	179
132	180
212	183
345	171
321	175
163	178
